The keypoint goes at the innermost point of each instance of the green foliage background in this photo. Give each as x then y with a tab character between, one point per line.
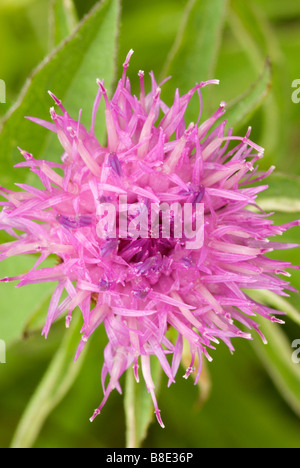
255	394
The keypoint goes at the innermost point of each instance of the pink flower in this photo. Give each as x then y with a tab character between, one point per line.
139	286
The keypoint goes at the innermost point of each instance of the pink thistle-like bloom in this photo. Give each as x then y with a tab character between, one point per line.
140	287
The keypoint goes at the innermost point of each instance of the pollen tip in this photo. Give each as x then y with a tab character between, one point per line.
158	417
96	413
68	321
129	55
71	131
157	93
4	280
55	99
52	113
102	87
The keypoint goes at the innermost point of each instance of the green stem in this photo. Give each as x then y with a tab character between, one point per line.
57	381
129	402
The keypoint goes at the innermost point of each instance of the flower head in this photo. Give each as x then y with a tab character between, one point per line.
128	269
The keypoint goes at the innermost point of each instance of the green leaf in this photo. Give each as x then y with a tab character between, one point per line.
193	56
139	412
14	4
256	35
244	36
281	10
18	306
283	194
239	112
277	358
53	387
252	20
63	20
70	72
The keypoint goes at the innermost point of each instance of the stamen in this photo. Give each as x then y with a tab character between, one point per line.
57	101
126	65
110	122
142	85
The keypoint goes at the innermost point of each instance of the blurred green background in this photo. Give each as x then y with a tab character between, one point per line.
249	405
